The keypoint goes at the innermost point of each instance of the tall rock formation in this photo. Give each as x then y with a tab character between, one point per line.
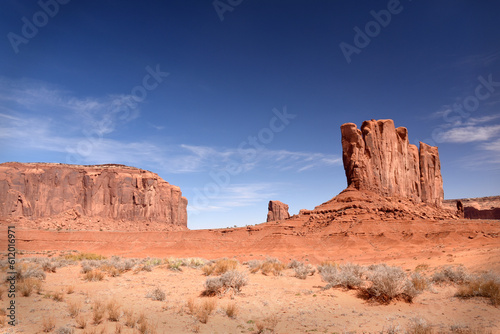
277	211
379	158
112	192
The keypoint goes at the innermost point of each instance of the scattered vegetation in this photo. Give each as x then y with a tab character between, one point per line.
418	326
451	274
48	324
156	294
81	322
94	275
486	285
390	283
98	310
230	281
231	310
269	323
74	309
64	330
347	275
26	286
113	310
84	256
220	267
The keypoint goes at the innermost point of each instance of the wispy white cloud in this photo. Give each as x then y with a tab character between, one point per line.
468	134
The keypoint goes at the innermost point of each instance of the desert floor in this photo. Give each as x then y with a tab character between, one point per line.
281	303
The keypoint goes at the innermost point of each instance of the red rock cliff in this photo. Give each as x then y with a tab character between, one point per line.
116	192
379	158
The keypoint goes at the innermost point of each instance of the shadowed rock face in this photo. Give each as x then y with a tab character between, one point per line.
277	211
37	190
379	158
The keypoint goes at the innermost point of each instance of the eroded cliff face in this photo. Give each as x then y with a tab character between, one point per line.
277	211
112	192
379	158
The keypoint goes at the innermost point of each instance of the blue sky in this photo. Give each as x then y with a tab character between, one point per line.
240	102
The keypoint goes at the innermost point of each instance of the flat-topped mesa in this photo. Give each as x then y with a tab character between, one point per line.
379	158
277	211
112	192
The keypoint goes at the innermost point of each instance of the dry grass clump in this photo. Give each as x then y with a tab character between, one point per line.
81	322
74	309
220	267
269	323
48	324
156	294
389	283
418	326
194	262
70	289
486	285
84	256
230	281
231	310
191	305
130	320
98	311
113	310
465	329
452	274
347	275
64	330
421	267
302	270
144	326
94	275
26	286
419	282
254	266
57	296
29	270
202	311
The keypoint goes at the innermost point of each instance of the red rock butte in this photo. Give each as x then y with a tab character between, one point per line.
379	158
110	193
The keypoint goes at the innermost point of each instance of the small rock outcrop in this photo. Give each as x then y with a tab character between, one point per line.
277	211
476	208
110	192
379	158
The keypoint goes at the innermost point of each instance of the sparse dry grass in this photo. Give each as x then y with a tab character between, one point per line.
389	283
98	311
27	285
347	276
156	294
418	326
485	285
113	310
272	266
220	267
70	289
84	256
205	310
451	274
81	321
230	281
268	323
130	319
191	305
48	324
74	309
94	275
231	310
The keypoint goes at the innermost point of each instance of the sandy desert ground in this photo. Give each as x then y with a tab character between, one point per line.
280	303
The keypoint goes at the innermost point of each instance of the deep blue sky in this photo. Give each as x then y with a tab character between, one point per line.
73	91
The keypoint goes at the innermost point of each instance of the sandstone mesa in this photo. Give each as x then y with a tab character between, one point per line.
108	193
